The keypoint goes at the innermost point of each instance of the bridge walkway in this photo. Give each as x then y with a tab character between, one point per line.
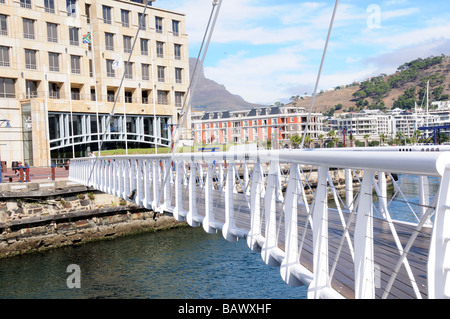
343	280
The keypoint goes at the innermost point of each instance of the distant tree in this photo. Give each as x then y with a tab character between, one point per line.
296	140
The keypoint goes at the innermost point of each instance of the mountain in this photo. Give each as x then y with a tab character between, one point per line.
402	89
210	96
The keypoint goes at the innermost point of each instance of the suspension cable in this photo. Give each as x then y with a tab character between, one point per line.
186	106
108	121
318	76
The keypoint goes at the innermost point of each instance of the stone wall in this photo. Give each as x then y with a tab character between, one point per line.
46	221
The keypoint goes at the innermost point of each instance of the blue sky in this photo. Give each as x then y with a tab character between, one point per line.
268	51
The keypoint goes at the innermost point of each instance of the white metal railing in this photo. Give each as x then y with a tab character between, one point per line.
376	217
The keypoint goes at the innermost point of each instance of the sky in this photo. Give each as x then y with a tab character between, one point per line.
268	51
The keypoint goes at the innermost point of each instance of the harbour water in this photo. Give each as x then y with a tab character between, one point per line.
184	263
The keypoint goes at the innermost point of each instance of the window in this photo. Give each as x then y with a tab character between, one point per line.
4	56
7	88
163	97
71	6
87	9
53	90
109	69
75	93
145	71
159	24
52	32
107	15
49	6
128	97
142	21
178	75
179	99
160	49
31	87
145	95
125	18
128	70
73	36
161	70
126	44
109	41
110	95
177	51
93	96
30	59
28	28
176	28
53	61
91	72
144	47
3	25
25	4
75	64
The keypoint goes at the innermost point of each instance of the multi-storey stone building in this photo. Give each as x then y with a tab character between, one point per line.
62	63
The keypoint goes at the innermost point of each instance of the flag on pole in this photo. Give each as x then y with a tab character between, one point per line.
87	38
117	63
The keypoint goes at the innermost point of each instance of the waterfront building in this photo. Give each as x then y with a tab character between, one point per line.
373	123
62	64
255	125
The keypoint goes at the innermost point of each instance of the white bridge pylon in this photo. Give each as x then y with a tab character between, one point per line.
327	218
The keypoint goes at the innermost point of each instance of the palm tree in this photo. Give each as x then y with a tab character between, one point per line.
366	139
321	137
382	139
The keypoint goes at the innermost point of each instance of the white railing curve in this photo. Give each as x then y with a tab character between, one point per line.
352	223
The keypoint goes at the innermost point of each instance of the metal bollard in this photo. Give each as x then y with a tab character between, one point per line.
21	173
53	172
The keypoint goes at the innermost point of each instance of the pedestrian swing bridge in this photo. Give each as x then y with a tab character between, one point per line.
347	223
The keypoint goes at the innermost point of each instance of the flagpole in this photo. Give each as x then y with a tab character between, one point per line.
91	37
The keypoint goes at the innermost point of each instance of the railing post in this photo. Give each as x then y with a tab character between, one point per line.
439	255
121	164
126	176
291	230
363	238
255	207
167	192
382	200
349	189
229	225
270	214
209	220
192	212
155	173
320	237
147	193
178	212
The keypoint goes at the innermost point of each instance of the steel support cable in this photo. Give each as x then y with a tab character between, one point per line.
318	76
186	106
408	248
108	121
397	241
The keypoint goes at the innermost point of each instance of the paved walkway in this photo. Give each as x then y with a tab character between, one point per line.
36	174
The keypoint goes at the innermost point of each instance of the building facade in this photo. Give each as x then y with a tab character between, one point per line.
67	65
255	125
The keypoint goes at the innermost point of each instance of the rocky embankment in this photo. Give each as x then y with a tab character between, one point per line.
35	218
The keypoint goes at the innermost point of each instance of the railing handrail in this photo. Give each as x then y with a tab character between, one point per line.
418	163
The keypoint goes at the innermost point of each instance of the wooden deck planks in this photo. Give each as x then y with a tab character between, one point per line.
386	253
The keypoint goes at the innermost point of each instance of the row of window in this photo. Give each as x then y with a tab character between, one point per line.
7	90
75	65
107	12
74	38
